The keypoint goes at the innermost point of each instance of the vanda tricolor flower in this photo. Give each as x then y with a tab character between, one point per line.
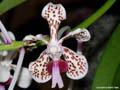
49	64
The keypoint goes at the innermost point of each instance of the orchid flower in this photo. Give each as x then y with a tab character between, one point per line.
6	64
6	59
24	80
75	66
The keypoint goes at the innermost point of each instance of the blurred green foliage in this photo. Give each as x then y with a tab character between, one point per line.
96	15
6	5
108	71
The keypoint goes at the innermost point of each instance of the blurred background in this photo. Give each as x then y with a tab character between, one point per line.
26	19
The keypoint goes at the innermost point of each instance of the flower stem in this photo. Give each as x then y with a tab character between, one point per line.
79	47
19	64
4	31
14	46
96	15
70	86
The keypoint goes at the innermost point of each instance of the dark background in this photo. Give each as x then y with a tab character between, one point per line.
26	19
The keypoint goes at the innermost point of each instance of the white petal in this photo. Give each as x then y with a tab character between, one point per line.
4	73
55	12
11	35
80	34
83	35
2	38
29	37
41	37
24	79
7	60
6	35
38	69
3	53
77	64
70	34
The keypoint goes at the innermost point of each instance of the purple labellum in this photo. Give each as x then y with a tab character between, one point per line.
63	66
9	81
56	77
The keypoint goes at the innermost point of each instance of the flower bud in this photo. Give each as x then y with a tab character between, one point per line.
24	79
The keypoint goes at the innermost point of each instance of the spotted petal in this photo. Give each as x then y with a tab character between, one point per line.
54	13
80	34
77	64
38	68
83	35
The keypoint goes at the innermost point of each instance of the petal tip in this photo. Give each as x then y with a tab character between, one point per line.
84	35
54	11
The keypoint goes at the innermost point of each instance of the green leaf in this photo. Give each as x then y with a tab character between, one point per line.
108	71
116	81
6	5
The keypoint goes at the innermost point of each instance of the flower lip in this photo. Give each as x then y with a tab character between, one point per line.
7	82
63	66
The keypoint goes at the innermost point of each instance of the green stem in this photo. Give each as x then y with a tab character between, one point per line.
13	46
96	15
85	24
107	74
17	44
